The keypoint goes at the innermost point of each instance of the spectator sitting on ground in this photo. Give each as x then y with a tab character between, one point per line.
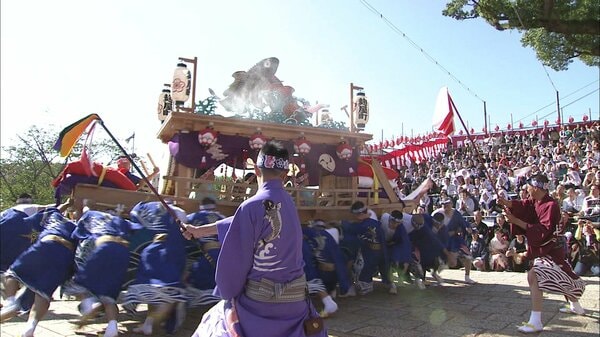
478	250
589	257
517	253
497	248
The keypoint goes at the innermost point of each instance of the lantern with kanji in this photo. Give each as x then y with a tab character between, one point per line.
520	125
497	128
585	118
165	104
509	126
344	151
257	140
361	110
181	85
302	146
207	137
571	119
460	132
534	123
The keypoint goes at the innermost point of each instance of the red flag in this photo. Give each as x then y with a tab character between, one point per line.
443	116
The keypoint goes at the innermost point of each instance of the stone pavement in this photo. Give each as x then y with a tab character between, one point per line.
493	307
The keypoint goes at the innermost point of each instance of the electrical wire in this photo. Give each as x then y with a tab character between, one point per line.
419	48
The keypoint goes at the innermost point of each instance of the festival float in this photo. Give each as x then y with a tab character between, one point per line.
212	155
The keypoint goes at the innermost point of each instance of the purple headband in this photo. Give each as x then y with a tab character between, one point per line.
207	207
267	161
359	210
537	183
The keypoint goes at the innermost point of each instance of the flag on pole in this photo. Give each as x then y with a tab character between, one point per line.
128	139
443	116
69	136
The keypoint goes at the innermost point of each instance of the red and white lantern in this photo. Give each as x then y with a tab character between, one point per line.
207	137
344	151
509	126
497	128
257	140
302	146
534	123
546	123
181	85
164	103
585	118
520	125
571	119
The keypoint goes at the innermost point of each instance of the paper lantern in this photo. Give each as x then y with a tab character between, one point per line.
557	121
497	128
472	130
546	123
509	126
520	125
344	151
181	85
360	109
571	119
257	140
386	144
165	104
460	133
302	146
207	137
585	118
534	123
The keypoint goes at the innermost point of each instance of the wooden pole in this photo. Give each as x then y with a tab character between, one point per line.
479	155
351	107
139	171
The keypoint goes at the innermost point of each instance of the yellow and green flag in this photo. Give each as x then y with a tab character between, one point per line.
69	136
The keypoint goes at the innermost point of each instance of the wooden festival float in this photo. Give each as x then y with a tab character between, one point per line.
212	155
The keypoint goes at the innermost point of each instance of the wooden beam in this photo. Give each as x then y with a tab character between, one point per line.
384	181
188	122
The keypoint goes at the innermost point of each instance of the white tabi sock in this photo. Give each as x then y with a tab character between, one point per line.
330	305
576	307
30	328
146	328
87	305
111	329
535	319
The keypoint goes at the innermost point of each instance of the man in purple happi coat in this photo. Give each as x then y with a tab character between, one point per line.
260	268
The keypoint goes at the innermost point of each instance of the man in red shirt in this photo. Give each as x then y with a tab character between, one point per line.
537	218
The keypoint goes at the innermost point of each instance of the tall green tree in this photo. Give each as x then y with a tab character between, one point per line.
30	164
558	31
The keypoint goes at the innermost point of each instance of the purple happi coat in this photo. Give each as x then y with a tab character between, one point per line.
263	240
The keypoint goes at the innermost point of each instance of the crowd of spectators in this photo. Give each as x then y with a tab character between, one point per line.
473	176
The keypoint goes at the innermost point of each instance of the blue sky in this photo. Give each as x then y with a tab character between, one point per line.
61	60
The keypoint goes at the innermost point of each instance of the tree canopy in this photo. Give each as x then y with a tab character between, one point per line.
559	31
31	163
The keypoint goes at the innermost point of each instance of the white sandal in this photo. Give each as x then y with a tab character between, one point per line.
529	328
